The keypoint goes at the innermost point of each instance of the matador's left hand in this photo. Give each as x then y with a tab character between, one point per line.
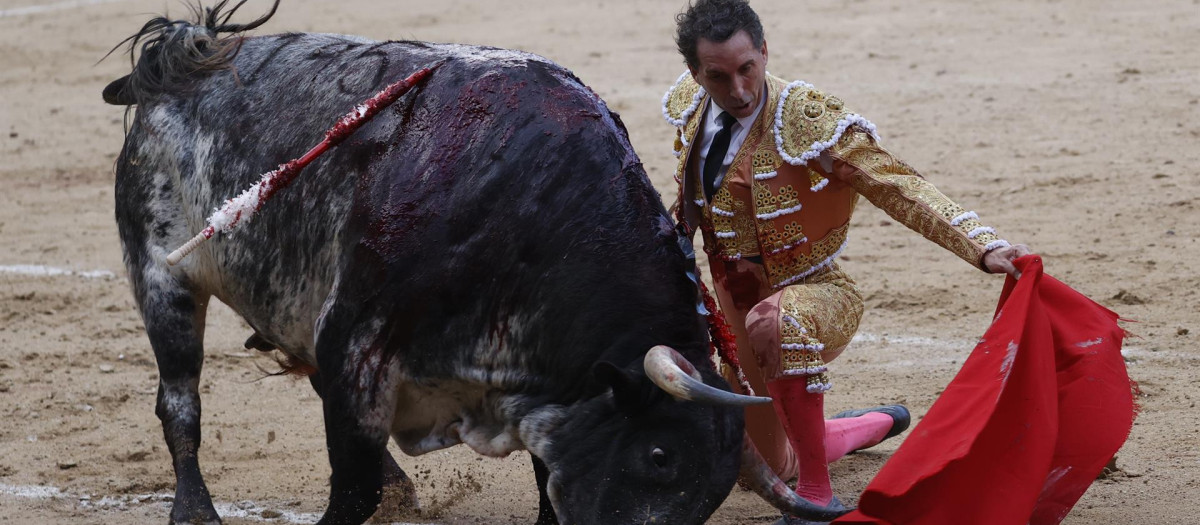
1000	259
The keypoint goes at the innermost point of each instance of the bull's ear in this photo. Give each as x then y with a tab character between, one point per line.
631	392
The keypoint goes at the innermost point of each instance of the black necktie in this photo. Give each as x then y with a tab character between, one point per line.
716	153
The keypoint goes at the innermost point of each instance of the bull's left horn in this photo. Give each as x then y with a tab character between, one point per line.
762	480
668	369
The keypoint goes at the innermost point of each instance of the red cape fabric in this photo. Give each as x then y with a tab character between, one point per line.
1042	403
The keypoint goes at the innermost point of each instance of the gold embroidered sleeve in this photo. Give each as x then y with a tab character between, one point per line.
906	196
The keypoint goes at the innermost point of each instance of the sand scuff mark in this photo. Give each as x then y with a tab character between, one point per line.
248	510
37	270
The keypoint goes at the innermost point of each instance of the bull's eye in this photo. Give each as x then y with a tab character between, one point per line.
659	457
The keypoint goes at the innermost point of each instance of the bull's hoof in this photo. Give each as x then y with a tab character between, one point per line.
399	502
193	508
195	519
792	520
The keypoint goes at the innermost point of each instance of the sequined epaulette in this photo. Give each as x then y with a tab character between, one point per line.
808	121
682	100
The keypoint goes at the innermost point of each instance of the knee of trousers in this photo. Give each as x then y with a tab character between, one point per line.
795	331
762	328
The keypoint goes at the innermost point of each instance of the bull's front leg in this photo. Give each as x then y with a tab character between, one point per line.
546	514
174	319
358	393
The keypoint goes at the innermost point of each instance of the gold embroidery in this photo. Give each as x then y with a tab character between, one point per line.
821	313
815	180
788	198
730	215
747	233
765	160
809	117
683	98
793	265
764	201
814	110
773	241
897	189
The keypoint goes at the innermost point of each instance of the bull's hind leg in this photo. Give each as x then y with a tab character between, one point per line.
358	385
399	491
174	319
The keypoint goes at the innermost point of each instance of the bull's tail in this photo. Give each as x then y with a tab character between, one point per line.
174	53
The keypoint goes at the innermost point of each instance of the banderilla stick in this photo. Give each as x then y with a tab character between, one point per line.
248	202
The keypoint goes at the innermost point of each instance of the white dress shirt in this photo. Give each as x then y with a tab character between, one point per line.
741	128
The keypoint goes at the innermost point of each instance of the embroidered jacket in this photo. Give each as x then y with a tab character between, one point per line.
793	185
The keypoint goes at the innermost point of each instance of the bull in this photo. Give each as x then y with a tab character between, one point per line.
485	263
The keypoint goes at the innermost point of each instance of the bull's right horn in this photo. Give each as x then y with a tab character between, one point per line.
762	480
668	369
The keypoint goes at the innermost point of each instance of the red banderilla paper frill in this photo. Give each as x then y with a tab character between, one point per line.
1040	406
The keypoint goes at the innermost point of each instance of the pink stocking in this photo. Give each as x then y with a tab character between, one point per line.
843	436
803	418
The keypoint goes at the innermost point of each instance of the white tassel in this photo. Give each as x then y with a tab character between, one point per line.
814	347
964	217
723	213
824	264
787	247
1000	243
687	113
779	213
980	231
819	388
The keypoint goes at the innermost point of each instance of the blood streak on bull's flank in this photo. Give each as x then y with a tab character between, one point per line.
250	201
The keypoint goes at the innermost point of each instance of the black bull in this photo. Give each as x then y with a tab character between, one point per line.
485	263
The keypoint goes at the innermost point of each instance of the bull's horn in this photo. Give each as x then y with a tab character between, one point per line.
675	375
762	480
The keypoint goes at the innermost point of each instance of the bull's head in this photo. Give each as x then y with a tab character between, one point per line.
660	444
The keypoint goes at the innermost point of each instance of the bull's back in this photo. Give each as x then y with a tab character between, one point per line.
475	213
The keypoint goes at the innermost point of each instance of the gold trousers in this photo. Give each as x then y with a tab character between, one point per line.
793	331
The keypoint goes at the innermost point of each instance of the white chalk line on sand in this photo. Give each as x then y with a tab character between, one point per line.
38	9
244	509
37	270
961	347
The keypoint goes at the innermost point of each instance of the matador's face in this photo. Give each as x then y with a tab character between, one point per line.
733	72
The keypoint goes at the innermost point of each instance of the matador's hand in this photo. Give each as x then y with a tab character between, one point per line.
1000	259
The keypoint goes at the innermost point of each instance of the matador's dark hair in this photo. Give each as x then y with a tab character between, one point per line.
717	21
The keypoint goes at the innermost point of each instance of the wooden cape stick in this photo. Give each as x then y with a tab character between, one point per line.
248	202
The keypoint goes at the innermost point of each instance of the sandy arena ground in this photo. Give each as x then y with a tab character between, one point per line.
1070	125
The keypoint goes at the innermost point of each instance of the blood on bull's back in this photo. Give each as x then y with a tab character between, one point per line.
496	135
